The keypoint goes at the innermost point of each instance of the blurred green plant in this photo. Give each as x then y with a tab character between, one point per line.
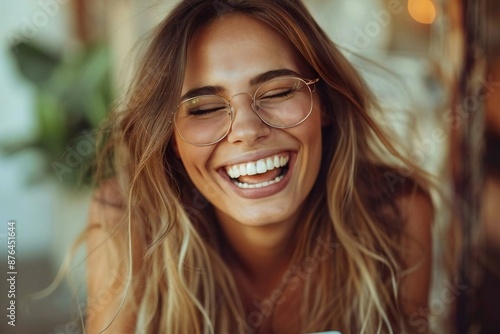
73	96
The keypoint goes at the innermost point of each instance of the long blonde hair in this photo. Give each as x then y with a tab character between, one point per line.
182	284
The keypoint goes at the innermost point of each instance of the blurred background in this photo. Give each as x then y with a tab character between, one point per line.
433	63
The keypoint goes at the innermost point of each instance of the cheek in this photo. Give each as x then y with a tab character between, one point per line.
313	141
313	129
195	159
309	134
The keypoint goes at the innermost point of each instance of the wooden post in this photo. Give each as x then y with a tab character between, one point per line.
468	176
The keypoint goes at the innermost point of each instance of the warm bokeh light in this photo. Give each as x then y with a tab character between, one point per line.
422	11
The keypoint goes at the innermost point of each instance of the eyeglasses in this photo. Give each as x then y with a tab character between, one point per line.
280	103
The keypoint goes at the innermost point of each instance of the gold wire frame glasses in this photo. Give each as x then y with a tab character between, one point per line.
280	103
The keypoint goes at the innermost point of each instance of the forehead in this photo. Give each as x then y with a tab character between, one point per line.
236	47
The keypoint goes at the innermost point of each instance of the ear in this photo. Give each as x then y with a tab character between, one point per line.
326	120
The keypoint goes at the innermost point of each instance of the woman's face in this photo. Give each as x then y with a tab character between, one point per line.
234	55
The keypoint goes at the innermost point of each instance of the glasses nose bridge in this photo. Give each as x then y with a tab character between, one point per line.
238	94
252	107
233	111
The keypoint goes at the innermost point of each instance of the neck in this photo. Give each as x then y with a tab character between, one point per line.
260	253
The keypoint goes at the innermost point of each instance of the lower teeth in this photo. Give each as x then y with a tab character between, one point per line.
258	185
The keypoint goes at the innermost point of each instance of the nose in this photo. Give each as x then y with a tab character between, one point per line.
246	127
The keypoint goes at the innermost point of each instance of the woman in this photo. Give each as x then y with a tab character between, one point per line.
252	189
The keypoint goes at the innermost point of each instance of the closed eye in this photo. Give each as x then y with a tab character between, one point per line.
277	94
205	110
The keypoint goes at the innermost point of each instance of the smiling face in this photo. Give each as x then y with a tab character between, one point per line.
256	175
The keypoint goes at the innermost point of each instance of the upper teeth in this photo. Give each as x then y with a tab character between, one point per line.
257	167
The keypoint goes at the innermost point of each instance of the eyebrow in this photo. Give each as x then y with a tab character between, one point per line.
266	76
205	90
259	79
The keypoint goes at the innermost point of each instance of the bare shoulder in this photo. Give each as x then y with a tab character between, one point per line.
107	202
106	214
417	213
416	209
107	275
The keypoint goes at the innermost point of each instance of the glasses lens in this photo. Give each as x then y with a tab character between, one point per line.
283	103
203	120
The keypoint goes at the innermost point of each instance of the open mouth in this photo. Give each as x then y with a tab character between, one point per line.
260	173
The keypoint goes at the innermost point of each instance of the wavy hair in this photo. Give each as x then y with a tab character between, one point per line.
181	283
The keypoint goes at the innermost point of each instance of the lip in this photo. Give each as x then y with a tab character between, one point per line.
255	193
